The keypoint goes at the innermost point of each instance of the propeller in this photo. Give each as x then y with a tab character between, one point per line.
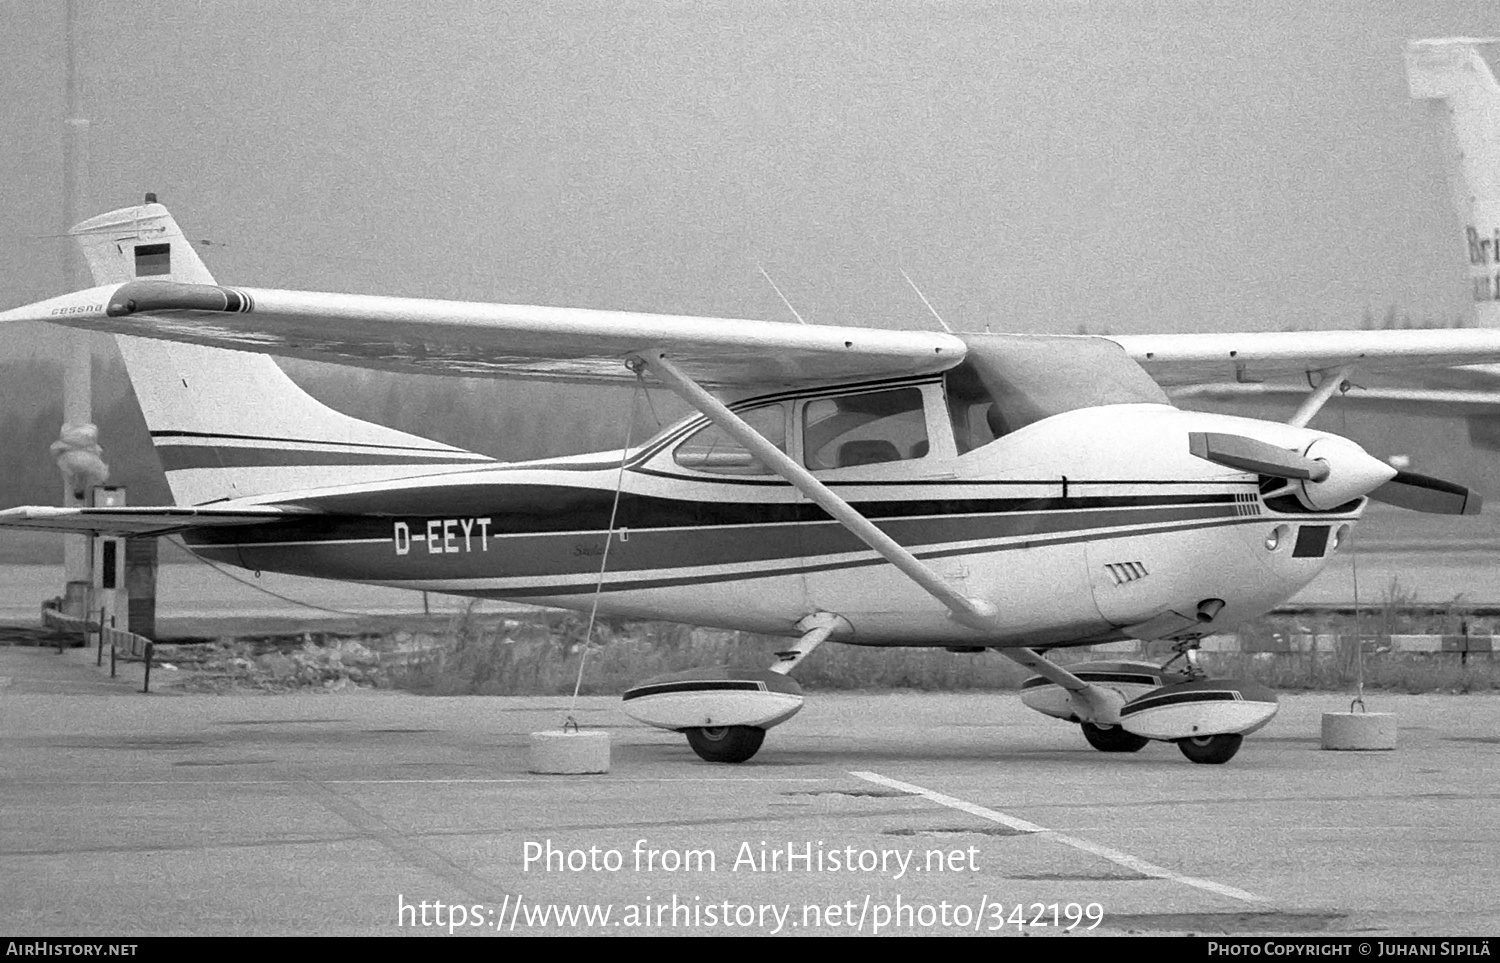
1423	493
1252	454
1333	471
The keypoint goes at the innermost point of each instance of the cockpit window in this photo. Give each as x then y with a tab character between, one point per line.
1008	382
864	429
710	449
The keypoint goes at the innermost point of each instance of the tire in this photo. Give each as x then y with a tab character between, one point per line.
1211	750
1113	738
726	743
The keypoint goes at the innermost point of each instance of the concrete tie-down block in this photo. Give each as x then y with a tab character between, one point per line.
569	752
1363	731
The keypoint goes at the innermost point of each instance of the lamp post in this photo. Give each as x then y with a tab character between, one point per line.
77	451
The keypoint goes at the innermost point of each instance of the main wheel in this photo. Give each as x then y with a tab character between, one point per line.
726	743
1113	738
1211	750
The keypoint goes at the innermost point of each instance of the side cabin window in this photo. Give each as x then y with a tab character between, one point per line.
711	449
864	429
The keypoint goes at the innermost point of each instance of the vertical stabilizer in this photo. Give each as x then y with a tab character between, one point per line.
230	424
1453	75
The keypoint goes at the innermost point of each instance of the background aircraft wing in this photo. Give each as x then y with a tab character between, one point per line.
1182	359
476	339
136	521
1406	401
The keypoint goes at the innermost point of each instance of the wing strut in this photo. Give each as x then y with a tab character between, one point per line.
1091	703
1335	380
975	613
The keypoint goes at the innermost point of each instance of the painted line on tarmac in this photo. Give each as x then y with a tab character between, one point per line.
391	782
1022	826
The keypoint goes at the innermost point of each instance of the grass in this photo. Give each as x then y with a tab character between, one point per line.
489	655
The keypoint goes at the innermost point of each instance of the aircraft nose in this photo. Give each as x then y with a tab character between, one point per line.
1352	473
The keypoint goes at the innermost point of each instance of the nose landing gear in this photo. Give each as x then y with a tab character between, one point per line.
1187	651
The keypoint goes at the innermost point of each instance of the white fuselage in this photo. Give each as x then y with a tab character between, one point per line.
1086	526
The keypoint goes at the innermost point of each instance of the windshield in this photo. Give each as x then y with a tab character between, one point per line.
1009	381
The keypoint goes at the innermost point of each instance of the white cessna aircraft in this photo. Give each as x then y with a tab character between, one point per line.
873	487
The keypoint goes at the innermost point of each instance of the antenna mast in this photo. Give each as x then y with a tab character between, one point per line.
925	301
779	294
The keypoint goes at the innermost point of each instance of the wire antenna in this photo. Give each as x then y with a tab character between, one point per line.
924	300
779	294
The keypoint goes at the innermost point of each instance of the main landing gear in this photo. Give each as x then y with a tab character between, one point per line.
725	712
1211	750
1121	706
1112	738
725	743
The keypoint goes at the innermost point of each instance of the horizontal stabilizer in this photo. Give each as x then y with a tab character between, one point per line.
136	521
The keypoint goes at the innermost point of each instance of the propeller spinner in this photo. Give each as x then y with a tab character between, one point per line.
1333	471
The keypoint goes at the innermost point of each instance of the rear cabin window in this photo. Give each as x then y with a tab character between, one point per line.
710	449
864	429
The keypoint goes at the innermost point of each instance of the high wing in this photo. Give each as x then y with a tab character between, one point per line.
576	344
1183	359
1454	81
1409	401
476	339
139	521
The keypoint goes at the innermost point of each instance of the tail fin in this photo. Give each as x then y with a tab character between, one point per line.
229	424
1452	73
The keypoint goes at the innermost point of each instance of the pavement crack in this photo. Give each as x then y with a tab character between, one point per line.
371	826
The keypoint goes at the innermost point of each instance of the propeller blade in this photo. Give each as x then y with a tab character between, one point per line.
1422	493
1250	454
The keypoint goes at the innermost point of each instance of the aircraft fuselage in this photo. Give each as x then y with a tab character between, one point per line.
1079	528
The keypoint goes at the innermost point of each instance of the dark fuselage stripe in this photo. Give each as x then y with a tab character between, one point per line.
221	436
580	512
701	685
185	457
1128	678
1178	698
522	508
309	560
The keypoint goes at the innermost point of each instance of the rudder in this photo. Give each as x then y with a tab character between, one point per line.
231	424
1452	73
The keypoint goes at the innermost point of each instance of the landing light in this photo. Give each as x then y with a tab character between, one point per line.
1339	536
1273	540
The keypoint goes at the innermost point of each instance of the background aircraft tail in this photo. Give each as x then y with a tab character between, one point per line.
229	424
1456	79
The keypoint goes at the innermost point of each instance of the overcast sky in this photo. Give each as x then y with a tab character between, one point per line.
1035	166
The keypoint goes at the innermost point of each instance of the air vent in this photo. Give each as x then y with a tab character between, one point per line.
1123	572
